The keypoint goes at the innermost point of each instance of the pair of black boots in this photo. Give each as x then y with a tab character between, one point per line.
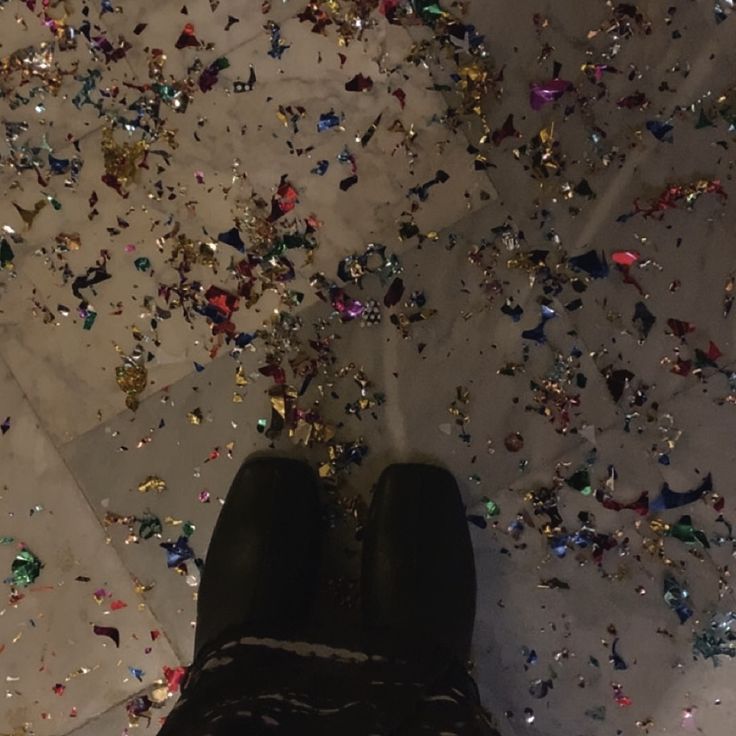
418	575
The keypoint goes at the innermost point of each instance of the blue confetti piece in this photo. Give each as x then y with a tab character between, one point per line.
198	367
590	262
59	165
277	44
514	312
232	237
177	552
321	168
558	545
548	312
675	596
326	121
537	333
661	131
669	499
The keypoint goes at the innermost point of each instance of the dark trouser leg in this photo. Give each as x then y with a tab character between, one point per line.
419	591
262	563
259	580
418	568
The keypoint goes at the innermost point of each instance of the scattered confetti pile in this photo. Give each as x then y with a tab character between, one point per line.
361	232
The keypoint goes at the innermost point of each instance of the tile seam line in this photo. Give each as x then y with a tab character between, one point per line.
115	705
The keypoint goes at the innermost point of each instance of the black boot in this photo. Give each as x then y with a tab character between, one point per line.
261	568
418	580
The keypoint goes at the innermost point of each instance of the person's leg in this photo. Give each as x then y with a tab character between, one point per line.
419	589
259	580
418	580
262	563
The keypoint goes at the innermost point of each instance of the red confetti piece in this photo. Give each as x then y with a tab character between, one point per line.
174	676
674	193
680	328
713	352
388	8
59	688
641	505
625	257
284	201
622	700
117	605
109	631
507	130
187	37
359	83
222	301
682	367
631	101
400	95
274	371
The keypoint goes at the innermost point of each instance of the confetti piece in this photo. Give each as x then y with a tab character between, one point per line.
543	93
109	631
25	568
152	483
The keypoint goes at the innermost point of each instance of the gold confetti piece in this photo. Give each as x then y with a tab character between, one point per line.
152	483
28	216
132	379
195	416
141	587
121	160
659	526
240	378
69	241
31	62
553	583
159	694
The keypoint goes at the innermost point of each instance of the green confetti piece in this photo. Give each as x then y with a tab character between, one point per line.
686	532
25	569
142	264
580	481
492	508
429	11
6	253
150	525
89	320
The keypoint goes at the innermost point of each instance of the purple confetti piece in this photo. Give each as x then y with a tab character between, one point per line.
542	93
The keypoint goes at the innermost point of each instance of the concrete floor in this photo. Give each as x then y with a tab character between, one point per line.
451	388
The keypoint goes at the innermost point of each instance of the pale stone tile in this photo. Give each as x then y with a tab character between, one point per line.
47	634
